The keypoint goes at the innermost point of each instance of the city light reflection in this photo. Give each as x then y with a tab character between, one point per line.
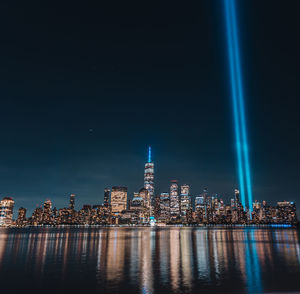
175	258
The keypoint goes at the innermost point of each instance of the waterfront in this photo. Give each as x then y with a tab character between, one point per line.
148	260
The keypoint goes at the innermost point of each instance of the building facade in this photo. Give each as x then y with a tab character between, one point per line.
6	211
185	201
72	202
164	201
106	197
174	201
118	199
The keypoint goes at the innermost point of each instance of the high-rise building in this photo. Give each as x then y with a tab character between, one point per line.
118	199
145	195
72	202
164	200
237	198
6	211
149	177
199	208
185	201
106	197
37	216
21	220
47	212
174	201
137	202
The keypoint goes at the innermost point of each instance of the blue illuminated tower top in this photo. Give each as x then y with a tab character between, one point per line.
149	154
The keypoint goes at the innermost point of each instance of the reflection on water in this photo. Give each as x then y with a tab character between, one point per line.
146	260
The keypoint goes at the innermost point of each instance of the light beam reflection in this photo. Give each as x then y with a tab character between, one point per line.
147	260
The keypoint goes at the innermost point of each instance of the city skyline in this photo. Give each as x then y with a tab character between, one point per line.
177	205
130	192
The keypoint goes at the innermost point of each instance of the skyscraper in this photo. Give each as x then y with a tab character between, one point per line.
145	195
137	202
106	197
72	201
164	201
47	212
118	199
6	211
21	220
237	197
149	177
185	200
174	201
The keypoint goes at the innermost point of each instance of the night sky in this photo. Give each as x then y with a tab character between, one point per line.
87	86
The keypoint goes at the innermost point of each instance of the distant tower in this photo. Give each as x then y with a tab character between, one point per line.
106	197
6	211
72	201
149	177
174	200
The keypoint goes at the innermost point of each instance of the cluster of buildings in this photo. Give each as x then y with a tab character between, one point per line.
176	206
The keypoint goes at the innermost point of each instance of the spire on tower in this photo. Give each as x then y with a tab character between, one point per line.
149	154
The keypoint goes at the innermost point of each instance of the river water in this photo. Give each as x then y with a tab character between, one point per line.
149	260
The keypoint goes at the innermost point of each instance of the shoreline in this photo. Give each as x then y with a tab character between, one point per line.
208	226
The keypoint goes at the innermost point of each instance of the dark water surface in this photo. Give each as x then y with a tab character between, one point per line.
146	260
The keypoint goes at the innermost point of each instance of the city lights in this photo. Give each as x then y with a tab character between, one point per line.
175	207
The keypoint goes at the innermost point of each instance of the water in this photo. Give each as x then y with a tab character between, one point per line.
149	260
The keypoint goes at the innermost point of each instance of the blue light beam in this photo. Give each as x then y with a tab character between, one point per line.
238	104
149	154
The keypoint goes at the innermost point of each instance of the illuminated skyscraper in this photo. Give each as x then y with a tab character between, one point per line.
149	177
47	212
21	220
106	197
137	202
199	208
164	201
72	201
6	211
185	201
145	195
118	199
174	200
237	197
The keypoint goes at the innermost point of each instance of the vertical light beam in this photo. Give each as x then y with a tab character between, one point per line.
238	103
149	154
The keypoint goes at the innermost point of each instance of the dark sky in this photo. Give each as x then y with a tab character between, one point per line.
86	86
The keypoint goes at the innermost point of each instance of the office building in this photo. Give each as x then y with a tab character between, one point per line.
72	202
185	201
118	199
6	211
164	201
106	197
174	201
